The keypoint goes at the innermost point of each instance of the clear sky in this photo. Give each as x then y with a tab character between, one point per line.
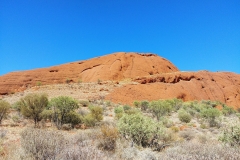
192	34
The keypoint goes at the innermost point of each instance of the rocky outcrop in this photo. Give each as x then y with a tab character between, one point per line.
203	85
117	66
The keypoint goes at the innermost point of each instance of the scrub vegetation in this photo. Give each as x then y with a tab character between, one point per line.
65	128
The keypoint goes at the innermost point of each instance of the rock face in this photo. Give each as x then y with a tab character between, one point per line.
203	85
116	66
157	79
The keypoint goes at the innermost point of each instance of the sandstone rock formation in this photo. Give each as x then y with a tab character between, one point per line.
157	79
116	66
203	85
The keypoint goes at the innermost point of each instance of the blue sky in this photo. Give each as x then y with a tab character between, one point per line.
192	34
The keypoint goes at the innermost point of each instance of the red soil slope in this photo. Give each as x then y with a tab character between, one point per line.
203	85
116	66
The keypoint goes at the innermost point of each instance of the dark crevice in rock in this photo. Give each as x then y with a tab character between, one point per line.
53	70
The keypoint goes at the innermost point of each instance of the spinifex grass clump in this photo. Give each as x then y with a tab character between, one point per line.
4	109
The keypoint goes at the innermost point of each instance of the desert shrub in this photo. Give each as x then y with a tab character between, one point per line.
108	103
47	114
62	106
203	126
73	118
210	114
126	108
144	105
84	103
209	103
17	106
108	137
118	112
187	134
231	136
32	105
184	116
166	122
96	112
89	121
42	144
118	115
227	110
160	108
139	128
136	104
175	129
132	111
175	103
4	109
16	119
167	138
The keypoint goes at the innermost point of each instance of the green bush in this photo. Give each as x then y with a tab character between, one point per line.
175	103
144	105
210	114
227	110
73	118
89	121
4	109
136	104
17	106
96	112
184	116
126	108
32	105
118	110
47	114
132	111
139	128
62	106
160	108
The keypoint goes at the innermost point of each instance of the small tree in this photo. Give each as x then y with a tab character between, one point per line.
32	106
62	106
4	109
